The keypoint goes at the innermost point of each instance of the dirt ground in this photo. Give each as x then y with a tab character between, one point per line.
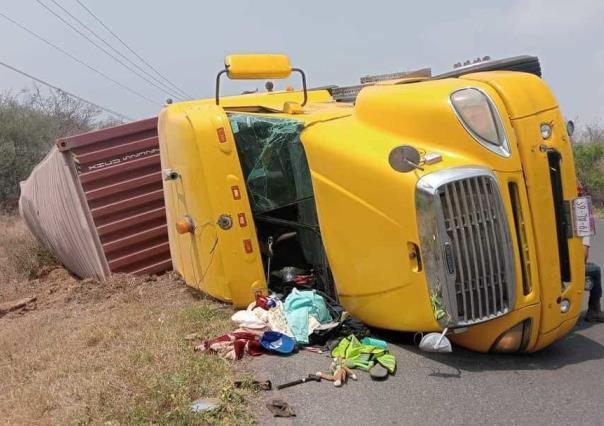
86	352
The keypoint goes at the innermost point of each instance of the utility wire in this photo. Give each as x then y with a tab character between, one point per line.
117	114
131	49
95	44
63	51
101	39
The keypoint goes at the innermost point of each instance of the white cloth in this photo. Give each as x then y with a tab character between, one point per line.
248	319
277	320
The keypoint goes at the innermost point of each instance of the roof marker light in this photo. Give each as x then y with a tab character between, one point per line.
221	135
236	192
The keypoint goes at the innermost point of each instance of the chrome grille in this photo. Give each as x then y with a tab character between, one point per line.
477	231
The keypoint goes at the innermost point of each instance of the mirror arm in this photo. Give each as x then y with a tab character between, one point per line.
293	69
303	84
218	86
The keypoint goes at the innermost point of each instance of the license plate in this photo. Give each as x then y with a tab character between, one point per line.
584	224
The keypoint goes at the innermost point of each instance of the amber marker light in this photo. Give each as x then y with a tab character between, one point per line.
185	225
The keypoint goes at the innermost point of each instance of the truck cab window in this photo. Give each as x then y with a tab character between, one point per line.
278	181
273	161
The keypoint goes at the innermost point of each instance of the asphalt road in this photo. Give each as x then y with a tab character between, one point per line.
563	384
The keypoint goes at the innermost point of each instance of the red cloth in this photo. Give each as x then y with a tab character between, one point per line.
234	345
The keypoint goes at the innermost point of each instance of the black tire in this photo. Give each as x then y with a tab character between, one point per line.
525	63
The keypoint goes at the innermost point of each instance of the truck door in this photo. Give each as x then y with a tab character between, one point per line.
221	254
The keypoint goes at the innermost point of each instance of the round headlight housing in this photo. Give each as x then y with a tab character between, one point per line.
479	116
546	130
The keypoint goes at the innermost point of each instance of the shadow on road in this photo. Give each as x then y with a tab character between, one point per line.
575	348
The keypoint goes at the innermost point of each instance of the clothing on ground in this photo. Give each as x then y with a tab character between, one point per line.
363	356
233	346
299	307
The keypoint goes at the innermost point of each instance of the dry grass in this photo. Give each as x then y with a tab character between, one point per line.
21	254
114	353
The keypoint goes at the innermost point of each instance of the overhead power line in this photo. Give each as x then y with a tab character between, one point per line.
165	86
52	86
63	51
102	49
131	49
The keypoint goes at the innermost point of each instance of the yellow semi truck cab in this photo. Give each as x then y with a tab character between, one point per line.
425	204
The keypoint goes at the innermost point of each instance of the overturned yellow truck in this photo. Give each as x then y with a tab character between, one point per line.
424	204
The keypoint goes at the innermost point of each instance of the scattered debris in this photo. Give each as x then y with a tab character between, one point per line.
205	404
309	378
436	342
314	349
14	305
192	336
233	346
277	342
264	385
340	372
280	408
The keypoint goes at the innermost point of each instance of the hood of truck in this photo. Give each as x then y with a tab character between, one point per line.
367	209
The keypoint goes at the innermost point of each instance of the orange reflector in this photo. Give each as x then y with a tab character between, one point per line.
242	219
221	134
247	246
236	192
184	225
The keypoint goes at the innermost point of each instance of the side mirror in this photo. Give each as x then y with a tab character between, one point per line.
436	342
257	67
405	158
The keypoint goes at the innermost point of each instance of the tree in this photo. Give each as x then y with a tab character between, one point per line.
589	160
30	122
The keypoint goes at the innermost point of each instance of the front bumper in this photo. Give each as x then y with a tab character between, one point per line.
483	337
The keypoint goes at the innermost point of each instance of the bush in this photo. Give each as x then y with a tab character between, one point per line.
589	161
30	122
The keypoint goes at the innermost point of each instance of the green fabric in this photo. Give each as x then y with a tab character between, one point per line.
359	355
298	306
388	361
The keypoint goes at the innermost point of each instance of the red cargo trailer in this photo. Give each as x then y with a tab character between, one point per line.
97	201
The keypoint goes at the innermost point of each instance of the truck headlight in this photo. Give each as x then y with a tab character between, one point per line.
479	116
513	340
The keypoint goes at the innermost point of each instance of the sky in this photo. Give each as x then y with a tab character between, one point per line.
335	42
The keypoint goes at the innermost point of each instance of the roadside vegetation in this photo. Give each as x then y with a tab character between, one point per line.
588	150
30	122
86	352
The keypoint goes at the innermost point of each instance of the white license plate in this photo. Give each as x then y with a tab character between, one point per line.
583	218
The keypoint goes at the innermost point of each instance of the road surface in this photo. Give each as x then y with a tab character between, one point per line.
563	384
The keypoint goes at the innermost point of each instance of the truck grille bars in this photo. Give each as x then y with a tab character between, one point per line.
471	210
473	270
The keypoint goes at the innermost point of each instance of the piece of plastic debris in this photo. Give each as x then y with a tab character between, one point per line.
205	404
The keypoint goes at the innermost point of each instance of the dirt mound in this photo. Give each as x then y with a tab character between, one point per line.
56	287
